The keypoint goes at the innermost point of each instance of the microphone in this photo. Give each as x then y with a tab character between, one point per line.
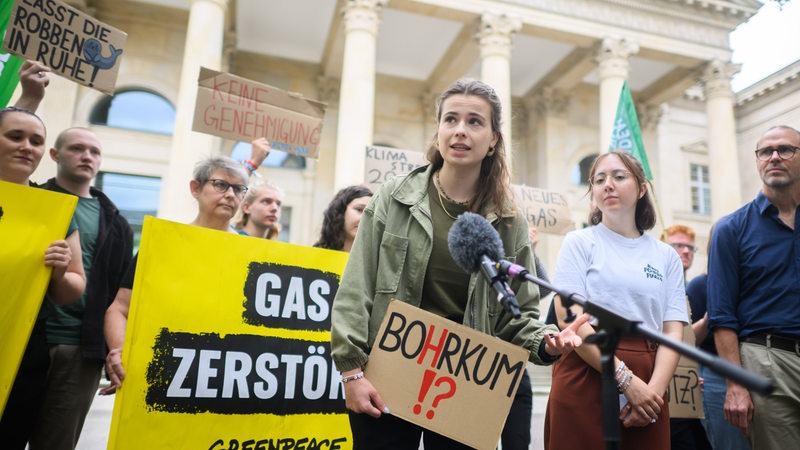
475	246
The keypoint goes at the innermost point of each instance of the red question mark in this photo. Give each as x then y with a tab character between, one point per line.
450	392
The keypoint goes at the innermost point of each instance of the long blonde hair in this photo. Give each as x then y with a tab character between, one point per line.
254	190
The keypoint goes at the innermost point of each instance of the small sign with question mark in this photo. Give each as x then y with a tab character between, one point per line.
444	376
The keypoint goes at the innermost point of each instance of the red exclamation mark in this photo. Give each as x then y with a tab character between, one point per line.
427	380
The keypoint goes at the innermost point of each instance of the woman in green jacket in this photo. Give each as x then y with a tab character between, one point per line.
400	252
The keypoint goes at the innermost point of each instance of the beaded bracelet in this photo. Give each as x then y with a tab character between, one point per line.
620	372
250	165
352	377
626	382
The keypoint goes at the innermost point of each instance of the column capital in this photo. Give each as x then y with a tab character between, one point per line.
549	101
613	56
494	33
716	78
363	15
650	115
430	101
221	3
328	89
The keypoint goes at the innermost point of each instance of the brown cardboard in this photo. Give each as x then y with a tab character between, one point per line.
546	210
384	163
683	392
236	108
463	392
68	41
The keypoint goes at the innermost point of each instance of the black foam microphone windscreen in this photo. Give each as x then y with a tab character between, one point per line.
470	238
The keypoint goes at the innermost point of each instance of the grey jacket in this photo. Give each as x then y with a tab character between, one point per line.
389	259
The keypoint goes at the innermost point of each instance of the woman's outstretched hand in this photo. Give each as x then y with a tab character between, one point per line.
567	339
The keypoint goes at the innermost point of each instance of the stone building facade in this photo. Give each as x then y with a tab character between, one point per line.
558	66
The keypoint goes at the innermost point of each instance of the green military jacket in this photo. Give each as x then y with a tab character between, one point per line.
389	260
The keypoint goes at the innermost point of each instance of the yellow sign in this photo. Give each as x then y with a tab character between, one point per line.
30	219
228	345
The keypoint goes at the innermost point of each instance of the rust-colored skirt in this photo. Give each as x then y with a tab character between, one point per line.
574	417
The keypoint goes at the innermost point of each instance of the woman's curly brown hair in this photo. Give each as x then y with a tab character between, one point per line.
332	234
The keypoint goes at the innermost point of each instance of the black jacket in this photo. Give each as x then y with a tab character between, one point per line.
112	256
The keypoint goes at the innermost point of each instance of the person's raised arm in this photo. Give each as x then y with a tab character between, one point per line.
33	78
259	150
68	279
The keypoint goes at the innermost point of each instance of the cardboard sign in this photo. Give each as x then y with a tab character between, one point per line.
384	163
228	345
30	219
443	376
683	392
546	210
236	108
70	42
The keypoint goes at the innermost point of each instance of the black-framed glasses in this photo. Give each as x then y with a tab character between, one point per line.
680	246
222	187
617	176
784	152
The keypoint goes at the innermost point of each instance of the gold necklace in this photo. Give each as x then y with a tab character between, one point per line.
440	191
441	202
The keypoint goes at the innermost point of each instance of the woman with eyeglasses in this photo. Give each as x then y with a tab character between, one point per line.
219	183
22	140
614	264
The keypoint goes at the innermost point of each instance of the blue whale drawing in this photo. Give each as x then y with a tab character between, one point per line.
93	52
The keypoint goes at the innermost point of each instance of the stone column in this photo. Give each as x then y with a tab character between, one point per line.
430	126
613	68
722	149
357	110
204	46
494	35
547	167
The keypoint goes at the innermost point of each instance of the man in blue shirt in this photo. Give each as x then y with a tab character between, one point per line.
754	295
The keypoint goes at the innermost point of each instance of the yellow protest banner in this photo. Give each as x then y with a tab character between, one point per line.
228	345
30	219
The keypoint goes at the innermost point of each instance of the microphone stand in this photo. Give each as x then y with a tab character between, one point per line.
611	327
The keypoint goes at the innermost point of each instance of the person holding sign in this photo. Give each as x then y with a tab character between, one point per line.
260	212
614	264
22	139
219	184
401	252
342	217
33	78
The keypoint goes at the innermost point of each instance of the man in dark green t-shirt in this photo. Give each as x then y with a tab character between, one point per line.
75	331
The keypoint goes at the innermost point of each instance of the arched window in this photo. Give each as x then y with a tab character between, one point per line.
135	110
275	158
580	173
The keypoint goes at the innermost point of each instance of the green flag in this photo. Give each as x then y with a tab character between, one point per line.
9	64
627	135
